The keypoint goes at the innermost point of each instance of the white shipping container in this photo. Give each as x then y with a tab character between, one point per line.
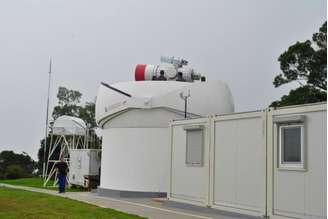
264	163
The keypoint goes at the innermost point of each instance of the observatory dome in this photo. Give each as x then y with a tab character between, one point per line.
135	116
69	125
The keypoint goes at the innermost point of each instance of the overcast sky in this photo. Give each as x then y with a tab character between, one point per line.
92	41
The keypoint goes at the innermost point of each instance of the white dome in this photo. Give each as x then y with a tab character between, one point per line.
69	125
206	98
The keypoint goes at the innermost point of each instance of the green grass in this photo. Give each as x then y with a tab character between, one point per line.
16	203
36	183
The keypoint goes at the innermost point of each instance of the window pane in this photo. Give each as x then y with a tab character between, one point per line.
194	146
292	144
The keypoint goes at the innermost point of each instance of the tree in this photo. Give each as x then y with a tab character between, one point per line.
88	114
306	63
68	101
301	95
68	97
22	164
69	105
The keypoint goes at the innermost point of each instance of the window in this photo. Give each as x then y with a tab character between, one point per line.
291	146
194	147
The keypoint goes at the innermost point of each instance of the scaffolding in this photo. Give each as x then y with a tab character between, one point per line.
67	133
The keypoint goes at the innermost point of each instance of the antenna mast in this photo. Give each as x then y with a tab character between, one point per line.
185	98
47	121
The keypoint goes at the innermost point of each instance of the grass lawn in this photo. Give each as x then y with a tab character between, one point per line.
16	203
36	182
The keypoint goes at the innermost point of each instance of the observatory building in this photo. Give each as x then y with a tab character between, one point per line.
135	119
172	133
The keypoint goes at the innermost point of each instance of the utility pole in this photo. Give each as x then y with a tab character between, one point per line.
47	122
185	98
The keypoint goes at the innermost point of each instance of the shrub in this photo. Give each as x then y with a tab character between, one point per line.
15	165
15	171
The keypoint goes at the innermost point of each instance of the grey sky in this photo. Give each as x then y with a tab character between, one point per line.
91	41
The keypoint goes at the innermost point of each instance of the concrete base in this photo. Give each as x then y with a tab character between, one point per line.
129	194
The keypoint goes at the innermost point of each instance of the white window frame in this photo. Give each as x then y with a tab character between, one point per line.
291	165
195	128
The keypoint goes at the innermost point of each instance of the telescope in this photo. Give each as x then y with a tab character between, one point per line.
170	69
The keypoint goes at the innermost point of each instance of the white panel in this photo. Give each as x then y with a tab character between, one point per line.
135	159
289	191
316	181
251	163
239	166
188	182
302	194
225	166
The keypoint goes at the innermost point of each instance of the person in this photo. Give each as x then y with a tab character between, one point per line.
62	170
180	77
161	77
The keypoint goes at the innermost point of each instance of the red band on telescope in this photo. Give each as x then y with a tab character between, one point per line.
140	72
